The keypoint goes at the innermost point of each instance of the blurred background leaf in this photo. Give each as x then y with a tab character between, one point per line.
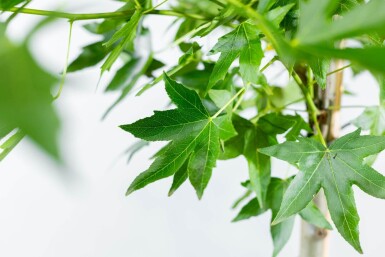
25	97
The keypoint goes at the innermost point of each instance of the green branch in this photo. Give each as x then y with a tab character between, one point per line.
312	109
229	102
94	16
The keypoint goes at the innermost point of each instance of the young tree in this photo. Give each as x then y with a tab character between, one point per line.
214	92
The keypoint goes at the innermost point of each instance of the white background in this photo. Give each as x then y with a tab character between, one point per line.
80	210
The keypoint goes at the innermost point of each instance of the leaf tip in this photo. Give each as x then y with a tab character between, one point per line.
124	127
171	192
200	195
129	191
277	220
274	222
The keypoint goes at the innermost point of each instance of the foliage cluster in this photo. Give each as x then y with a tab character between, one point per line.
212	91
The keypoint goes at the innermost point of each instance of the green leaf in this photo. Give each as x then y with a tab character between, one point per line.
258	164
280	234
6	4
347	5
155	65
90	56
371	58
265	5
122	38
320	68
276	123
144	65
220	97
203	159
335	169
196	79
194	134
277	15
243	41
124	76
251	209
316	16
25	99
269	29
251	54
236	145
5	129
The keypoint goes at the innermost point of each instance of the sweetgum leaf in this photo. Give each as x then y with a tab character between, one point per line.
194	137
243	41
335	169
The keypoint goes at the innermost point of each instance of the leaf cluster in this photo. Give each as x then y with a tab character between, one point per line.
223	103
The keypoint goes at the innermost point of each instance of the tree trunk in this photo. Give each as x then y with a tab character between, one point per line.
314	240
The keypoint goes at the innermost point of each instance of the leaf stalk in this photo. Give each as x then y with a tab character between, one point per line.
312	109
228	103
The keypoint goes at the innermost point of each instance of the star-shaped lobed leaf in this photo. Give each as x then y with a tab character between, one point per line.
335	169
195	138
242	42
